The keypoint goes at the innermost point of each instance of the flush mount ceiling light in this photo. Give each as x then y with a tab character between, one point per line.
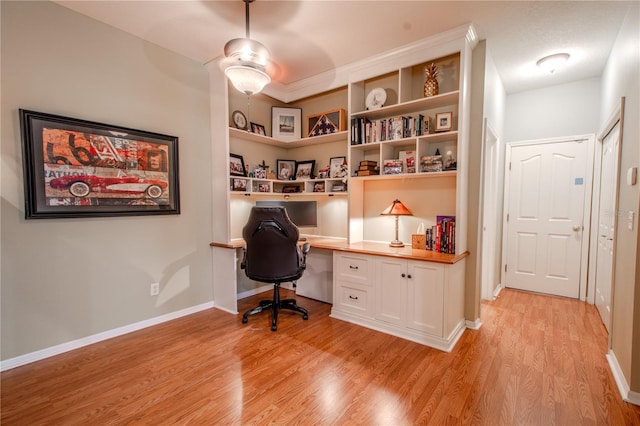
552	62
246	61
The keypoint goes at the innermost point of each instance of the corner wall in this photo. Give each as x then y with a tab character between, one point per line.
622	78
65	279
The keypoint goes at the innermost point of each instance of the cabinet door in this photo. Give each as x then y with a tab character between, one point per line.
391	291
425	290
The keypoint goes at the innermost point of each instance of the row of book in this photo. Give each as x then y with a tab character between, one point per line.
441	237
365	131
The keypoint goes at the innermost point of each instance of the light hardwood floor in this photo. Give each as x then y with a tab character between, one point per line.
537	360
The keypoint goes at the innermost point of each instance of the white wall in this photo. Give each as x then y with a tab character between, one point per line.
562	110
65	279
622	78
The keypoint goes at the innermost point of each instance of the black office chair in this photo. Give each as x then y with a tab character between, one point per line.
272	255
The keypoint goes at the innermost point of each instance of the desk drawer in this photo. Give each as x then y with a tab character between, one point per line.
353	268
353	298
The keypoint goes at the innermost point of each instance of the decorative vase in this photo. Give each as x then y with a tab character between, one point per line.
431	87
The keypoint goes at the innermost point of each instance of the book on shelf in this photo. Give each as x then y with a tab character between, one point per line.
367	167
441	237
364	130
367	172
368	163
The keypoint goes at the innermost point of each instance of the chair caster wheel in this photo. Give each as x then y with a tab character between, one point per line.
274	328
305	317
245	320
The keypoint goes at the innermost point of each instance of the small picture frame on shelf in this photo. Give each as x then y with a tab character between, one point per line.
259	173
338	167
289	189
263	187
286	123
285	169
444	121
239	185
304	169
258	129
236	165
318	187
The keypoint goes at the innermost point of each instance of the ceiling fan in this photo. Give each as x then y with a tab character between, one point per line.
247	63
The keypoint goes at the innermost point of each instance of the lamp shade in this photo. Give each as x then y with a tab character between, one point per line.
247	79
396	209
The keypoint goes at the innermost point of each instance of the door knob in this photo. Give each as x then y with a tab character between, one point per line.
576	228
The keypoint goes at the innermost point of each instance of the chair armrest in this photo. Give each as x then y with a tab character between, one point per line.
243	264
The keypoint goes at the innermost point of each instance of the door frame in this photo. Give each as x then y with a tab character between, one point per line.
589	139
490	284
617	116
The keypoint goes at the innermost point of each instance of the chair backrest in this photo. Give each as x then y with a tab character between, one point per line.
272	253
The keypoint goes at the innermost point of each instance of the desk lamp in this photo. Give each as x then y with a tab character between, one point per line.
396	209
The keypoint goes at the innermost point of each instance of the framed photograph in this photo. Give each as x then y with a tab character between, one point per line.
444	121
290	189
286	123
258	129
239	184
338	167
79	168
304	169
236	165
318	187
285	169
264	187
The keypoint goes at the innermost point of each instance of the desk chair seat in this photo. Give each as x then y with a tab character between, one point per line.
272	255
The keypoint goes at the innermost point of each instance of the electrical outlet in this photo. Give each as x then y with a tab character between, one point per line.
155	289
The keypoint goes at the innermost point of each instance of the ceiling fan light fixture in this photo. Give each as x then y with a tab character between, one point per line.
246	61
247	78
552	62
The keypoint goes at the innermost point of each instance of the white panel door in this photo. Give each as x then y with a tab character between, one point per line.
606	224
545	211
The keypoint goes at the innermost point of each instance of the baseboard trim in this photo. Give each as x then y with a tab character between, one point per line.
89	340
618	376
496	291
474	325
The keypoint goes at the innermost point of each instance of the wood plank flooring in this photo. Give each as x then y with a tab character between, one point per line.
537	360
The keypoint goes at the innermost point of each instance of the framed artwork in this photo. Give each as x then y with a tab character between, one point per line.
80	168
285	169
444	121
239	120
290	189
318	187
338	167
239	184
304	169
236	165
258	129
286	123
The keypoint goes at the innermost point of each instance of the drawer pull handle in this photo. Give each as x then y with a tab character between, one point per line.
353	267
353	297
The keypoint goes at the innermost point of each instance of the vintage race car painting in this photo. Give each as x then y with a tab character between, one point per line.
75	168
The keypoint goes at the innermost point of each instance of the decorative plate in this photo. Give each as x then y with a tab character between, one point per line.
376	98
239	120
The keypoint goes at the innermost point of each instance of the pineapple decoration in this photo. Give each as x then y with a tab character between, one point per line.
431	83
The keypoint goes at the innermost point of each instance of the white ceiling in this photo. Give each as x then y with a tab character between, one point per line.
310	37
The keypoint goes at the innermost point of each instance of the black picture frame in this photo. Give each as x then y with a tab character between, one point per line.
236	165
258	129
304	169
76	168
285	169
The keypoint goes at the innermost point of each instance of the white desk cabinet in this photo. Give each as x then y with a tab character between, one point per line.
414	299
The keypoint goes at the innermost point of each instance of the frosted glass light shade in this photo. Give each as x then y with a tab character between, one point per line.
247	79
553	62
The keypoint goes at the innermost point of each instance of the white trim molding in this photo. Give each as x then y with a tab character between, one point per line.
89	340
473	325
618	376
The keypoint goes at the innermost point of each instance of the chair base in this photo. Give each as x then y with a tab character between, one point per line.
275	306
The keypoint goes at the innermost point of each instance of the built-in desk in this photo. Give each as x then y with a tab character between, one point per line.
414	294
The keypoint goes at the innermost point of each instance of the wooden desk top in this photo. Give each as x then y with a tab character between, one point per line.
368	247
